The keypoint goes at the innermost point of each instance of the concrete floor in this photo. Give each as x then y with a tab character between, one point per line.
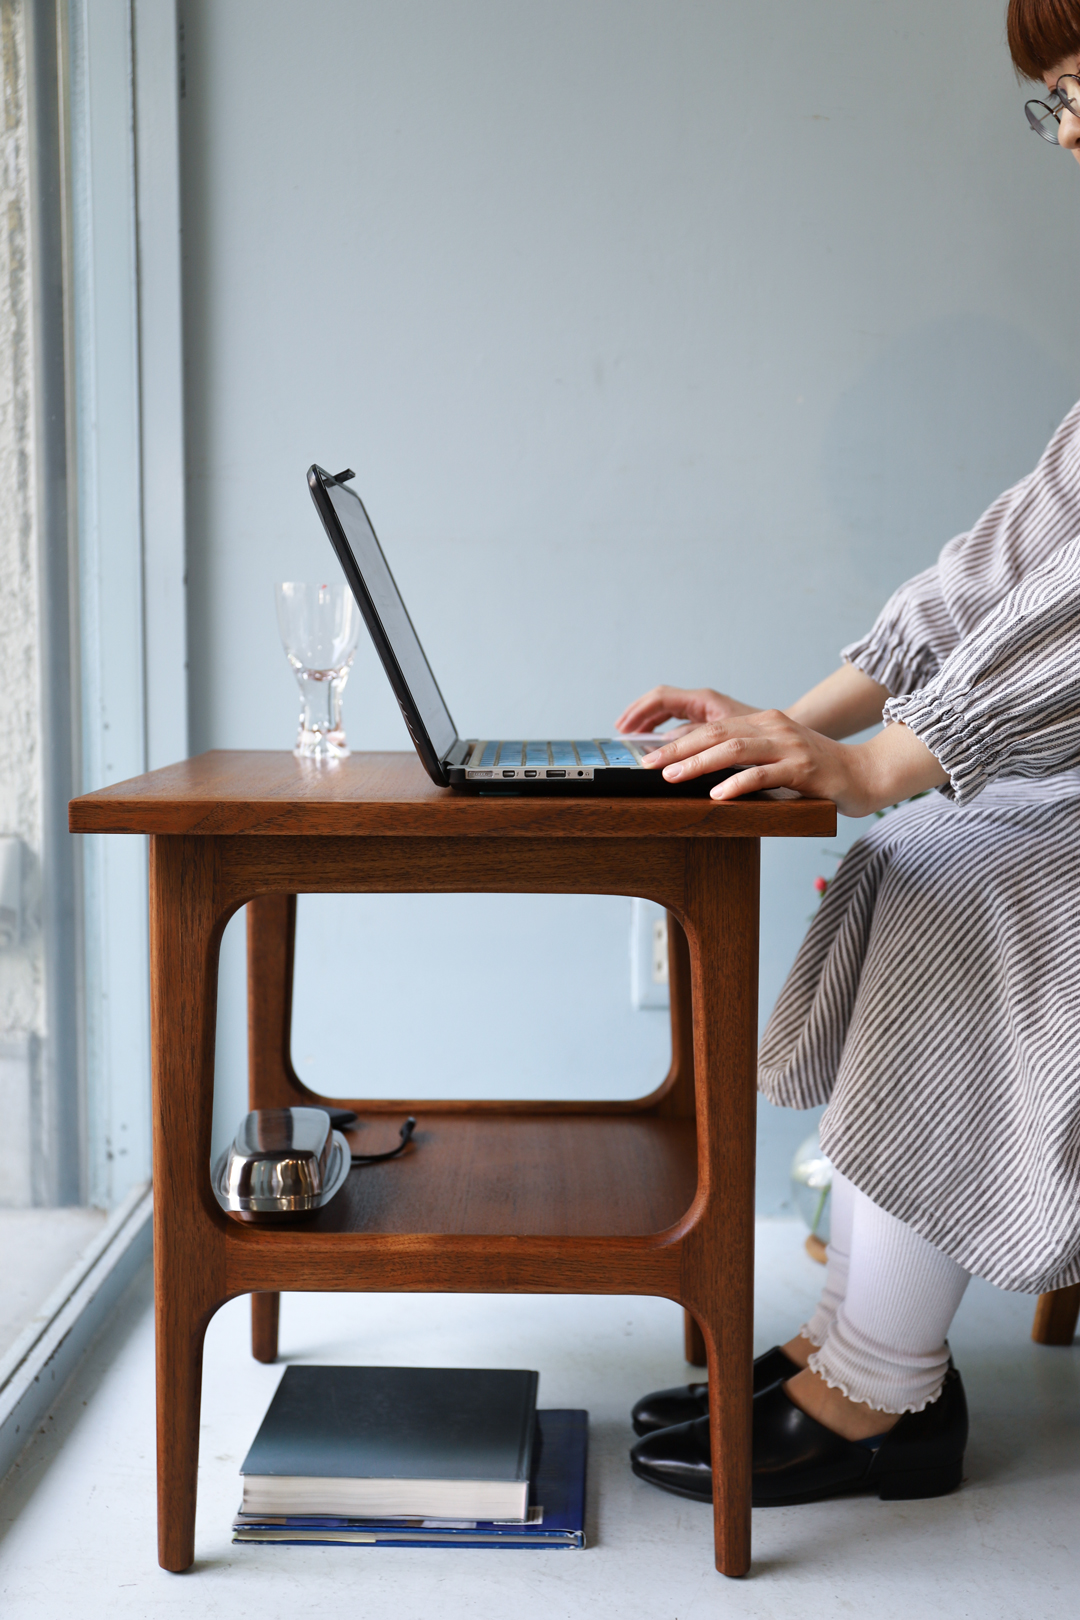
77	1515
38	1247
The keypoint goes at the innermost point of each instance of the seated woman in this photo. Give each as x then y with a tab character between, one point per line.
934	1003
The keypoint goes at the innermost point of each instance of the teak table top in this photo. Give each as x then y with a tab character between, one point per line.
232	791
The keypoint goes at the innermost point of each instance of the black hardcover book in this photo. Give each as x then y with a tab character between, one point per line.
385	1442
556	1507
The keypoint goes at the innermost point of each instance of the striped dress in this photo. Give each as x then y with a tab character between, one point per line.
935	1003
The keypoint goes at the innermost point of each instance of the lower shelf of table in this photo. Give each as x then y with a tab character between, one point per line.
590	1175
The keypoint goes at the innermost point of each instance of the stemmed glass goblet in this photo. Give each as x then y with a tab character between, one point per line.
319	627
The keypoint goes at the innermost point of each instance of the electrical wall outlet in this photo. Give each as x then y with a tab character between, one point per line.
649	956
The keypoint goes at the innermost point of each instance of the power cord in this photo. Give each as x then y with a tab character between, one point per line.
406	1134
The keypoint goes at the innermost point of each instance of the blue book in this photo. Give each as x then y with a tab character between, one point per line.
556	1507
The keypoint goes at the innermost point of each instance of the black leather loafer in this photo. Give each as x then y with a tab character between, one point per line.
665	1407
797	1459
677	1459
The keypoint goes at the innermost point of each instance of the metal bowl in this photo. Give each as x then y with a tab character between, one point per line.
282	1161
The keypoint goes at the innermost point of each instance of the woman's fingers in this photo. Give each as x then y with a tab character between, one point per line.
647	712
692	742
746	744
754	780
650	711
638	719
729	753
677	703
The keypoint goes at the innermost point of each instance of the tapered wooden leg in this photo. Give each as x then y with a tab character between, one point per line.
1056	1316
189	1257
271	945
722	912
265	1313
693	1341
180	1329
679	1100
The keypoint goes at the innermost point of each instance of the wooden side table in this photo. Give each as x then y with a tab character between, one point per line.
654	1196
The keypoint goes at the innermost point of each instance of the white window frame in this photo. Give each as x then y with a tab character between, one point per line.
128	365
115	137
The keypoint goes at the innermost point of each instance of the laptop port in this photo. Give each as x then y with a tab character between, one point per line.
530	773
555	773
508	773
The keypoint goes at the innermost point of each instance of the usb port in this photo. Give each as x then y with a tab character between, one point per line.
530	773
508	773
555	773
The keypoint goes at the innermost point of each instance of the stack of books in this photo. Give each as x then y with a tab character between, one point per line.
416	1456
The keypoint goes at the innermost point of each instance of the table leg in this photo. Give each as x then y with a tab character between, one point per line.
694	1342
679	1101
271	945
722	913
180	1329
265	1314
189	1259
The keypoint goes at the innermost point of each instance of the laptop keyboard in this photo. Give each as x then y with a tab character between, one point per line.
578	758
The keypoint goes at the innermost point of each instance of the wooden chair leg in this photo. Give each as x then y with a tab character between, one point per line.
694	1341
265	1314
1056	1315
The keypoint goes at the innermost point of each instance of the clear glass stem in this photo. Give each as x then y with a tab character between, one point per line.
321	735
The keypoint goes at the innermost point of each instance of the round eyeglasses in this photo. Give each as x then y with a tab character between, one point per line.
1045	116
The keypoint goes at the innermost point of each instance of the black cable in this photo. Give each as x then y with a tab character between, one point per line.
376	1158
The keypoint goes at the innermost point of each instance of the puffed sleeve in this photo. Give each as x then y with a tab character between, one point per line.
911	636
1007	701
924	622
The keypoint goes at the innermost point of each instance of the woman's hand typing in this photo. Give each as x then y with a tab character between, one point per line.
676	703
769	750
799	748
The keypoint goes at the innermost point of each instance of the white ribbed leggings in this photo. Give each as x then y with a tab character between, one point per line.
887	1305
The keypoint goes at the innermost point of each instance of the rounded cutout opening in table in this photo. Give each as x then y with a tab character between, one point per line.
472	996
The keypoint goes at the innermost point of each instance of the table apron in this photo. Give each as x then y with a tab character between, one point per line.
413	1263
246	867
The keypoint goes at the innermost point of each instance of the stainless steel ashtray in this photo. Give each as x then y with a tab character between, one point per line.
282	1161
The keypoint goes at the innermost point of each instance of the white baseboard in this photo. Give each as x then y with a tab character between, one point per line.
39	1364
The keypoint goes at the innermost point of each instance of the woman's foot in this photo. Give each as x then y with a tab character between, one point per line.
665	1407
798	1459
852	1420
799	1350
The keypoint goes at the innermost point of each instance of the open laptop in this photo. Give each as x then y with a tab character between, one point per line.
603	765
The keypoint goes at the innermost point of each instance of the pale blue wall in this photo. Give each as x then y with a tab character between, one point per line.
666	338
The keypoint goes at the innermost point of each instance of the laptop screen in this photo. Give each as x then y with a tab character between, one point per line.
394	621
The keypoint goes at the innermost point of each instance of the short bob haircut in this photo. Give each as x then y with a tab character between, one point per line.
1043	33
